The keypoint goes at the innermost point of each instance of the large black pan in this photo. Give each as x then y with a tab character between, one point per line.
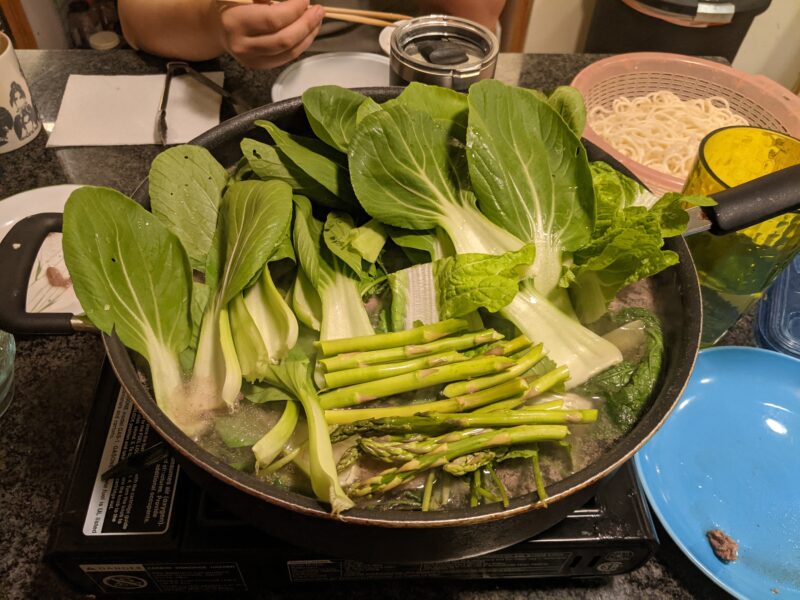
389	536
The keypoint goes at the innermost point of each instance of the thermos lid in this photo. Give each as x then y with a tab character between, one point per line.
444	47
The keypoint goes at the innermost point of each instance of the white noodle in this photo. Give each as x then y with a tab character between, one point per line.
660	130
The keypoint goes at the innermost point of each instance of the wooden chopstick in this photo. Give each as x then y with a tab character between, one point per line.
350	15
368	13
336	16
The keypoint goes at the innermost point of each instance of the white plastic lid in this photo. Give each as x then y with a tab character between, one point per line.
104	40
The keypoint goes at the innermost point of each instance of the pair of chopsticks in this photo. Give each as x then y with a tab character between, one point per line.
350	15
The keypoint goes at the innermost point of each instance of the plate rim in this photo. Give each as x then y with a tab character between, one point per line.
656	507
280	80
32	209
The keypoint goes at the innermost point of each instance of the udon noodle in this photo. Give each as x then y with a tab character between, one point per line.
660	130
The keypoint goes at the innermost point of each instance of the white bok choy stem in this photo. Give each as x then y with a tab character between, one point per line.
343	312
254	219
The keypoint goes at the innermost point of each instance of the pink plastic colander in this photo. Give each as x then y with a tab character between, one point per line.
761	101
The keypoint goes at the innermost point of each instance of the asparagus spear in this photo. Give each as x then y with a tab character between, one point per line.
510	388
426	494
499	484
371	390
546	382
418	335
354	360
537	386
518	401
391	478
469	463
506	348
360	375
537	476
393	449
533	356
439	423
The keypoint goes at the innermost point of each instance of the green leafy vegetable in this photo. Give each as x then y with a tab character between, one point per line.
273	441
627	245
294	375
269	163
367	107
331	111
533	179
446	106
568	102
259	393
354	245
467	282
253	219
456	286
408	172
186	185
135	284
317	160
627	386
343	313
272	317
434	244
306	302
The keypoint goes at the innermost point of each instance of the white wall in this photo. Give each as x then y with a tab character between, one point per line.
45	21
558	25
771	47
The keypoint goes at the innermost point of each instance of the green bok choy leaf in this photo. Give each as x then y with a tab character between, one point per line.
343	312
133	278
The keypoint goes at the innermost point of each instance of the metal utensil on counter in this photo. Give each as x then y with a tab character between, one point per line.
442	50
181	68
137	462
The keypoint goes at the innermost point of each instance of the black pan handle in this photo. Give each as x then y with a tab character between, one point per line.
18	251
755	201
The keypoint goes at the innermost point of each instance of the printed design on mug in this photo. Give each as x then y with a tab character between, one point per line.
25	119
6	125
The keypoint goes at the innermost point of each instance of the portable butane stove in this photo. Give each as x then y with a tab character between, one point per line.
155	532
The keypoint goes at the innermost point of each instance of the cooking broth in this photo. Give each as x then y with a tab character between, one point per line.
585	444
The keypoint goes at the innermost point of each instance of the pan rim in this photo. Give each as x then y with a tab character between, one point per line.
659	409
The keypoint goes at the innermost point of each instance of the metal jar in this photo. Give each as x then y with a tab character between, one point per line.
408	65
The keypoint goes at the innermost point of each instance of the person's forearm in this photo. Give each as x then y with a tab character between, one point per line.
185	29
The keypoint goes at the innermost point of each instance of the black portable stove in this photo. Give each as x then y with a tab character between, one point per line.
155	532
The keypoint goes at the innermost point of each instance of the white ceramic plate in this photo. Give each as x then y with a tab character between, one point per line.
385	37
42	296
347	69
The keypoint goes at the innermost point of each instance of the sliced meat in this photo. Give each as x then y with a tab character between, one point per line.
724	546
56	278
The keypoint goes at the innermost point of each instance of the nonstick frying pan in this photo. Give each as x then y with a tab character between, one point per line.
369	535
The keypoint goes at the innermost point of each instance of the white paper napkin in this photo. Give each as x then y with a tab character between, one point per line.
119	110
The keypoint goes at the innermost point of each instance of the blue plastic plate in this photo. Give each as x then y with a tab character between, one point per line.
729	458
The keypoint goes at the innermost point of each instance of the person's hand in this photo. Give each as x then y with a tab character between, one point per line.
262	36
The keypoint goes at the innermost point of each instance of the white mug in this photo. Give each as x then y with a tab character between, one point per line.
19	122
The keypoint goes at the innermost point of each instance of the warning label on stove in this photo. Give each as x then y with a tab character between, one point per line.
132	504
529	564
167	577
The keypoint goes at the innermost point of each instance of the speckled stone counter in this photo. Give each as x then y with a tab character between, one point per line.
56	375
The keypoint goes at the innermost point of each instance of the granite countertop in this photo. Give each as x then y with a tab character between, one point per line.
56	375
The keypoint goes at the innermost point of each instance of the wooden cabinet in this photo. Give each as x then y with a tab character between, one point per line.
18	28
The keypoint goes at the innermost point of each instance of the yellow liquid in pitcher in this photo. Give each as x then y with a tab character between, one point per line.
736	269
